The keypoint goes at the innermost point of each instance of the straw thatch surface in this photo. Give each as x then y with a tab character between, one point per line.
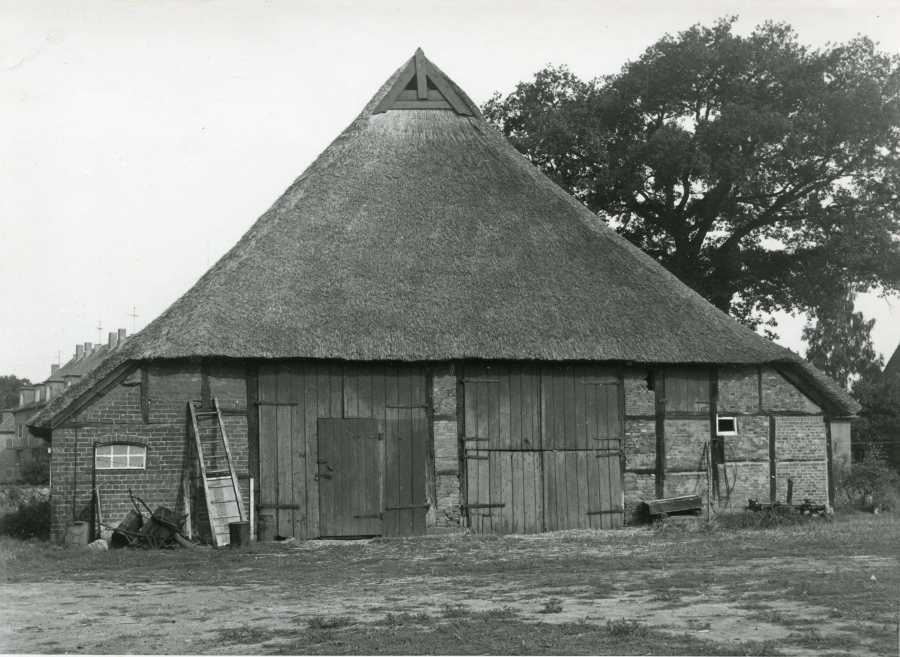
423	235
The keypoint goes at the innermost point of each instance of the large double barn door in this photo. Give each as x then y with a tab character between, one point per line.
343	448
543	447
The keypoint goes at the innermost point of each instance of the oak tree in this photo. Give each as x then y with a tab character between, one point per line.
762	173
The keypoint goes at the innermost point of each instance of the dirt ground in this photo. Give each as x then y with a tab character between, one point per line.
265	599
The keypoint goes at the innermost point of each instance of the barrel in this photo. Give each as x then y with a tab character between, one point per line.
77	533
239	534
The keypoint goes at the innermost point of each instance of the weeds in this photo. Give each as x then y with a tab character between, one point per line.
552	606
245	635
455	611
626	629
28	521
405	618
322	623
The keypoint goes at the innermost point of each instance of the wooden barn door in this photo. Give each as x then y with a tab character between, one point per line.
282	451
349	464
543	447
293	397
504	482
582	439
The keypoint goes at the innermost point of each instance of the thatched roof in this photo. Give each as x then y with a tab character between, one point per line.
422	234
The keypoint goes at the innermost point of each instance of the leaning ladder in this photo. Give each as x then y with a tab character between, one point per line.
224	503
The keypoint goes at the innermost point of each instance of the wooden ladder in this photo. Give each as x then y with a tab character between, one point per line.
224	503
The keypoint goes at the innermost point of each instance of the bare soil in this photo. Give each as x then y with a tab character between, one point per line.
358	597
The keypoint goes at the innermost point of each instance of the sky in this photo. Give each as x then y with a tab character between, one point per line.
140	140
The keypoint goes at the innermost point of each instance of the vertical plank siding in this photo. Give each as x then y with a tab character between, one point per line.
542	446
292	397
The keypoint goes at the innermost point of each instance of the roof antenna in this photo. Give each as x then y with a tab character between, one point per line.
99	328
133	314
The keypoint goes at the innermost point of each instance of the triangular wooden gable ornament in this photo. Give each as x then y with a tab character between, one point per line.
421	86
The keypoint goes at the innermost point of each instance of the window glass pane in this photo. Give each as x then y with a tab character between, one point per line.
121	457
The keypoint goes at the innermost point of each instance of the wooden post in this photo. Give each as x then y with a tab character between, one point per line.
715	445
205	392
829	455
659	388
773	468
145	392
461	447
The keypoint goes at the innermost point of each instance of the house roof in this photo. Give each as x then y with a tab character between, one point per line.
893	365
422	234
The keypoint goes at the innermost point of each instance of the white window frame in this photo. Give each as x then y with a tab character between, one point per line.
726	417
133	454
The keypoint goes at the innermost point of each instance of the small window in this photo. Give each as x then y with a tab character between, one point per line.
121	457
726	426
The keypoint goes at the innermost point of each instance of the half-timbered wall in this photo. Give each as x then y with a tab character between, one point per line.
497	447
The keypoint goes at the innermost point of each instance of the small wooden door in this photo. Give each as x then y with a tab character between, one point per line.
350	477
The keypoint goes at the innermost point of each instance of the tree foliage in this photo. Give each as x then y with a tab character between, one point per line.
9	390
878	424
840	342
760	172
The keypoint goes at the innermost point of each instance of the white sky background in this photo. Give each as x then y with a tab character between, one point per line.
136	137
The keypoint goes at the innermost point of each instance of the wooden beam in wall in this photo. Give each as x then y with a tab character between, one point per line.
205	391
714	440
145	393
659	389
253	421
773	468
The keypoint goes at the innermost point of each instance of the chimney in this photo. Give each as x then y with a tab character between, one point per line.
79	352
113	339
26	396
53	369
88	349
121	336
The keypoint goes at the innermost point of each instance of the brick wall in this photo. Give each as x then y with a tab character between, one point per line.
171	459
801	453
738	390
753	395
639	399
446	447
779	394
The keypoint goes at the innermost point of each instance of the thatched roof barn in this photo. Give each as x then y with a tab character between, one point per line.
421	235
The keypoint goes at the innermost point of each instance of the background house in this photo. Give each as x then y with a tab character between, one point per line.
23	446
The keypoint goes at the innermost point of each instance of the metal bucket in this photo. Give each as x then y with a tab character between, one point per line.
77	533
239	534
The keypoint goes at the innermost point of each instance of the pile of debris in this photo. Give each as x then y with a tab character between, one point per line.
163	528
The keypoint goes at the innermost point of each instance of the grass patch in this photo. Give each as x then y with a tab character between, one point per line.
476	635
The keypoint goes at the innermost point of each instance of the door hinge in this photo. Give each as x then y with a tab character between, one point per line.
407	506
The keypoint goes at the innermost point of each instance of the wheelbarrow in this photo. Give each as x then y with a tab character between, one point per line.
164	526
